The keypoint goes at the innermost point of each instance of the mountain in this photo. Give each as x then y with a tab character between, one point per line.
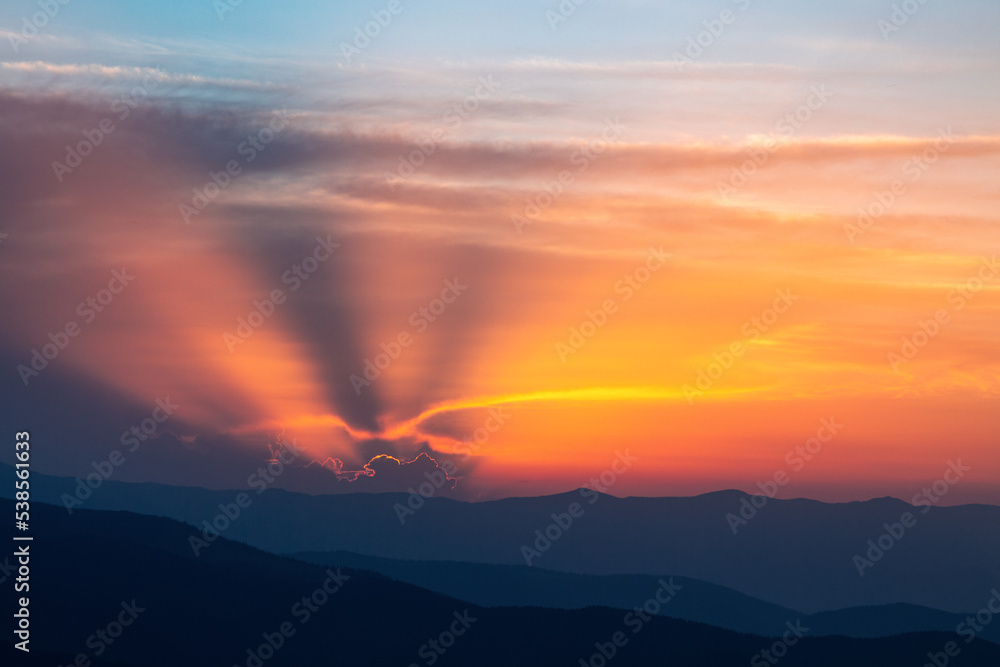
799	554
522	586
232	603
34	658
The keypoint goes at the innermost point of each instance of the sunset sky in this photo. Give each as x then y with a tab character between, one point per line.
540	219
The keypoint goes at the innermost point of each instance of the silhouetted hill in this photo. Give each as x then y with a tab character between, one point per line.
519	586
793	553
12	656
209	609
522	586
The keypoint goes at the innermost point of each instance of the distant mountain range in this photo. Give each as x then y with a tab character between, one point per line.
229	606
522	586
796	554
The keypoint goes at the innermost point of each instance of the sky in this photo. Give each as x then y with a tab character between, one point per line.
510	242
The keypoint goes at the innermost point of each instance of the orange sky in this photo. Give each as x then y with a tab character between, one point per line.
815	299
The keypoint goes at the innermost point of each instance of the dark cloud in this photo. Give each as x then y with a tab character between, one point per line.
382	474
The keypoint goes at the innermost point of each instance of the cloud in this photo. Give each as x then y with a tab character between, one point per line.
382	474
325	175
